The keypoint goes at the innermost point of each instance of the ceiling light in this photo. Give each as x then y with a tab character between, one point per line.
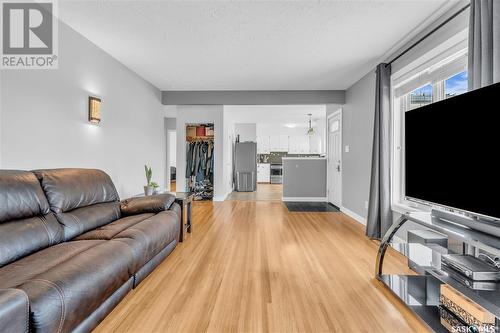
310	131
291	125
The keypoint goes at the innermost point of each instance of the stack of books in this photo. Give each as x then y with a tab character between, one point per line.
460	314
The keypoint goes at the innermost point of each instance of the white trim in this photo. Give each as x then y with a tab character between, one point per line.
305	199
167	153
219	198
353	215
339	112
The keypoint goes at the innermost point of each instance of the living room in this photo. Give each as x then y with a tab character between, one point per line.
383	221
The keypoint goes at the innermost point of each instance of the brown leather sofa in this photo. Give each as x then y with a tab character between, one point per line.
70	250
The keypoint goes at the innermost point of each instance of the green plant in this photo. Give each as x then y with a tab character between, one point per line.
154	185
149	174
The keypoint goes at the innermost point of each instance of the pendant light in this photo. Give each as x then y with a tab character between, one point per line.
310	131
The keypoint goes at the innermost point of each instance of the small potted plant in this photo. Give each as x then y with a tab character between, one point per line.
155	187
148	189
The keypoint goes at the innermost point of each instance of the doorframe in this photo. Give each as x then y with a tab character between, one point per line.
169	131
328	171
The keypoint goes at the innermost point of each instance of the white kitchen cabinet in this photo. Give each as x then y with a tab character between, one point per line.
303	144
315	143
263	145
263	172
274	143
283	143
294	144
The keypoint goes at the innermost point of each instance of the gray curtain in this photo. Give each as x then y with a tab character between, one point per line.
379	209
484	43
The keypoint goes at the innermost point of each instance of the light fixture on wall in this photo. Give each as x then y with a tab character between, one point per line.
94	110
310	131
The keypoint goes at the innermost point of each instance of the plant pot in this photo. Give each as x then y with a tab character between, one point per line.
148	190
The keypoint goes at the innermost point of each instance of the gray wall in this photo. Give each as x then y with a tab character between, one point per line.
304	178
357	133
235	97
44	119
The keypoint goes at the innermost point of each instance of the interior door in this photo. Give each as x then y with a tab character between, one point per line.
335	160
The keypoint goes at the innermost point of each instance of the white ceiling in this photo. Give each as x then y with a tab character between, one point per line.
249	45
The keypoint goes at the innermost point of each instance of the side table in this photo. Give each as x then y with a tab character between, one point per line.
185	200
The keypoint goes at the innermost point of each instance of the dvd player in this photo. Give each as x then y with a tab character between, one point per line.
472	267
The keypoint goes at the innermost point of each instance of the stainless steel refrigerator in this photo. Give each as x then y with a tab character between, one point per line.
245	166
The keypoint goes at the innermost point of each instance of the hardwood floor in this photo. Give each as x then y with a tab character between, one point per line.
265	192
255	267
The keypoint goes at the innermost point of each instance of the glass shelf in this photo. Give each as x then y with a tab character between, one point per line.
421	294
421	256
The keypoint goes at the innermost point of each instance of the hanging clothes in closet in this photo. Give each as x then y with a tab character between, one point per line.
199	168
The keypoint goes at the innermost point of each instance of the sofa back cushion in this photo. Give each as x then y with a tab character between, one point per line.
82	199
26	223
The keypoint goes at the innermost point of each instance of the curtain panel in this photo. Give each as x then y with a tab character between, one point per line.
379	208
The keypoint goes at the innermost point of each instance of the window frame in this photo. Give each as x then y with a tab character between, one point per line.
428	69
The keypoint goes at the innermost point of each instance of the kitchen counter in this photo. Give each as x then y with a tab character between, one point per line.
304	179
304	158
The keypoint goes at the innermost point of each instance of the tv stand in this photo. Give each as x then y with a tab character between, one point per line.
487	226
420	292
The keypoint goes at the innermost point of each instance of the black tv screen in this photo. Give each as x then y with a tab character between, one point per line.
451	149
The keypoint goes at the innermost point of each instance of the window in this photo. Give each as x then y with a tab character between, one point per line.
444	76
456	85
420	97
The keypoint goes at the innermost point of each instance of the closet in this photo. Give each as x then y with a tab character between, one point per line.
200	160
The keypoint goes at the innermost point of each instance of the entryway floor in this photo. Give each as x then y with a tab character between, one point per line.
265	192
318	207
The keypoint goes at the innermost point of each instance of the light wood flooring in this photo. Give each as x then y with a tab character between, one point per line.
255	267
265	192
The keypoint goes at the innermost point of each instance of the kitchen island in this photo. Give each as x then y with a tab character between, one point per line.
304	179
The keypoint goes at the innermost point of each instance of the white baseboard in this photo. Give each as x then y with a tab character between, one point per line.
353	215
305	199
219	198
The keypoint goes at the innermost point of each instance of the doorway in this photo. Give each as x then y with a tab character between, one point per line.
171	160
335	158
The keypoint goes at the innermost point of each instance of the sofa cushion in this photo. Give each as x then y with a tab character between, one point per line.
83	219
26	224
146	234
21	196
67	189
82	199
67	282
147	204
20	238
109	231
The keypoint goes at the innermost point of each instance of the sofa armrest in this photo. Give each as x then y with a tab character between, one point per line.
14	311
148	204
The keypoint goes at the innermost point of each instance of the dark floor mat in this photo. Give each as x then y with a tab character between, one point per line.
311	207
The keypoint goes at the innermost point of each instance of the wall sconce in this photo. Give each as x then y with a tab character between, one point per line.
94	110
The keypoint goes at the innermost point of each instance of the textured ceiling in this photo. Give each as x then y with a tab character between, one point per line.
216	45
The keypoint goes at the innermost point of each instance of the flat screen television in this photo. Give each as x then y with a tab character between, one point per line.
451	153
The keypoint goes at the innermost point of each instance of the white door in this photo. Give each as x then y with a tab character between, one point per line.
335	159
